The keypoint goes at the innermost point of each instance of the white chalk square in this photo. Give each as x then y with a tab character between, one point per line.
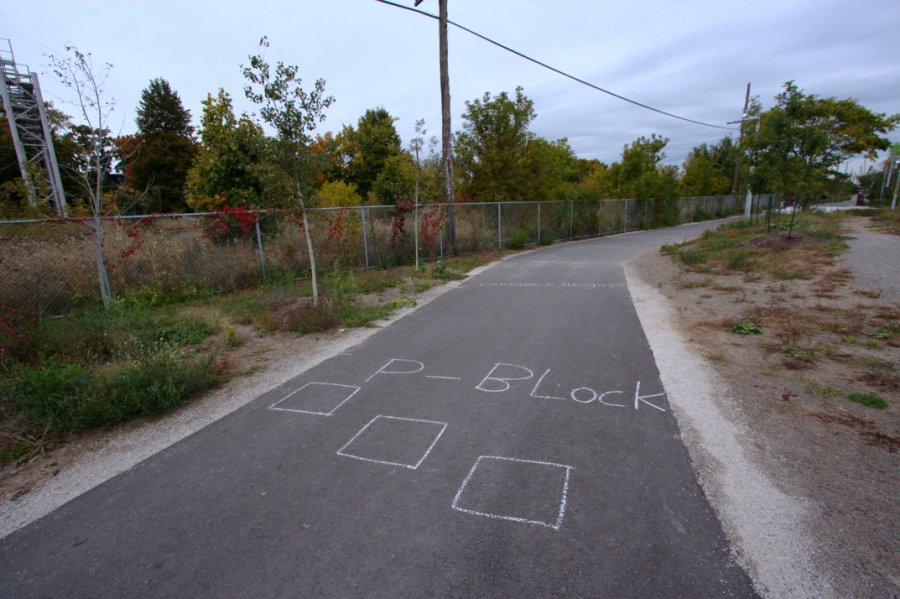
527	491
321	399
394	441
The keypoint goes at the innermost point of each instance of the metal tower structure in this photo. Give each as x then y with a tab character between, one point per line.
23	107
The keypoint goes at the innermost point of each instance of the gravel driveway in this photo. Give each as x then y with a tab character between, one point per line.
874	257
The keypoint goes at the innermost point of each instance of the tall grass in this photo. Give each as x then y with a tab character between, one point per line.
96	368
61	397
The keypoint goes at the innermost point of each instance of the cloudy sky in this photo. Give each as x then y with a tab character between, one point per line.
691	58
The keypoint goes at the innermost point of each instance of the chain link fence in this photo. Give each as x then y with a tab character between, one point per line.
50	266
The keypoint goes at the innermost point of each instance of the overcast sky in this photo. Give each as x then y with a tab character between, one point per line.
693	58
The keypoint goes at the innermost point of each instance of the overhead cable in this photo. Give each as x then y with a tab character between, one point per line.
554	69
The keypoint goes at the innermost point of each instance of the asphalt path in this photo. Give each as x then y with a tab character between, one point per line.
511	438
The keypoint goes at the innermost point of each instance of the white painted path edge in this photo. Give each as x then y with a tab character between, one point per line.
764	525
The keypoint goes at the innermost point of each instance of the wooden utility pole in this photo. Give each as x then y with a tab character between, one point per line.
737	156
446	131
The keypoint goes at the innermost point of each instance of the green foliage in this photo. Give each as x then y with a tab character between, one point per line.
160	110
312	319
551	168
871	400
234	165
518	239
353	315
737	259
746	328
640	175
162	151
440	271
231	338
369	147
803	139
95	368
337	194
292	111
492	149
717	241
127	331
403	302
396	181
703	176
25	447
62	396
692	256
340	284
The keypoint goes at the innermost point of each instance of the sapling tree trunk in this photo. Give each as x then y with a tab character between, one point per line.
309	247
77	73
416	144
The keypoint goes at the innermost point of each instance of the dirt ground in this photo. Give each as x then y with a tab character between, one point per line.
821	339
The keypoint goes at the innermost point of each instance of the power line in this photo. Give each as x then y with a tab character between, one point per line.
555	16
555	70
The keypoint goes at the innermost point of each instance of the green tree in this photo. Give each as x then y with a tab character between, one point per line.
396	182
431	175
703	176
551	169
163	149
293	113
368	147
596	184
233	165
804	138
335	194
491	150
640	161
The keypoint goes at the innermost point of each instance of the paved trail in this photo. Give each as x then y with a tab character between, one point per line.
512	438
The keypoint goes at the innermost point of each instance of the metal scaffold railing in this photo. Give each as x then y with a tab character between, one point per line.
24	109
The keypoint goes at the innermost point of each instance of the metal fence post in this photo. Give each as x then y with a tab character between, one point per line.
262	256
365	237
499	227
539	224
599	206
625	218
571	220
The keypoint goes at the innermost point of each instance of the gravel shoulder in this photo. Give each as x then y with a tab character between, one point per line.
874	257
803	481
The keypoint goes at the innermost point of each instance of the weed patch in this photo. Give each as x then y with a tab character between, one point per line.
871	400
61	397
686	283
517	239
746	328
359	316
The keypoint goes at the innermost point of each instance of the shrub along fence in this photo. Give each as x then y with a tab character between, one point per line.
50	266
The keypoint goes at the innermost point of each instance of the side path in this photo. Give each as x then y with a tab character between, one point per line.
511	438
